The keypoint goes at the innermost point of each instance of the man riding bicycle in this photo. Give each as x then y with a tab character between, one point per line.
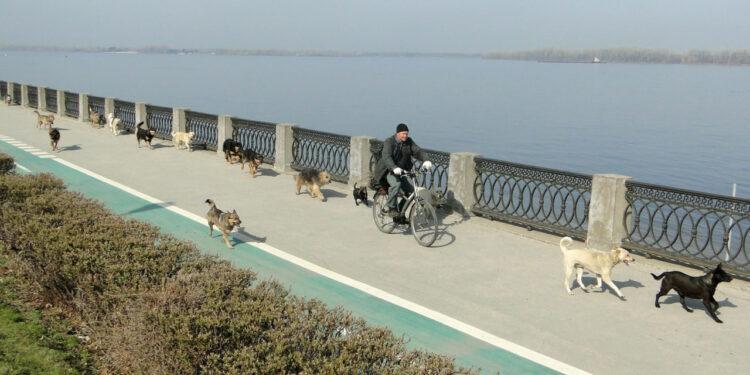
398	151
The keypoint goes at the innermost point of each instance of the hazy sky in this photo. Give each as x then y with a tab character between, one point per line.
379	25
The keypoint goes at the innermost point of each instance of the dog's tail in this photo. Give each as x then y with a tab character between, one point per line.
564	243
658	277
139	125
355	185
210	202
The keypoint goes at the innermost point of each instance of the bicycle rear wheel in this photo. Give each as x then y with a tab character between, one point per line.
423	221
384	222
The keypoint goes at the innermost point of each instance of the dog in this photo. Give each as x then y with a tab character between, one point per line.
224	221
253	159
114	123
698	287
145	135
44	120
95	118
360	195
598	262
313	180
232	150
183	138
54	138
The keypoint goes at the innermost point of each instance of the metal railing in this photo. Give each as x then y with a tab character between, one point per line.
96	103
257	136
50	96
690	227
125	111
537	198
160	119
3	89
33	96
71	104
323	151
205	127
16	94
435	179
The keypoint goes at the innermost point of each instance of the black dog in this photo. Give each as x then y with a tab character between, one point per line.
232	150
145	135
360	194
699	287
54	138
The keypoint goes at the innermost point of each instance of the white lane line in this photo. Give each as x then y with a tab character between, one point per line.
23	168
398	301
47	156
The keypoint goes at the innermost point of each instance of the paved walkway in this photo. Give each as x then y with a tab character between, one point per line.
497	278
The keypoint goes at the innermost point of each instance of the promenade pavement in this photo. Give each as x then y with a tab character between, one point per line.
494	276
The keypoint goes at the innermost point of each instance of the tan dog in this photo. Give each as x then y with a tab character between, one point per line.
183	138
44	120
224	221
95	118
598	262
313	180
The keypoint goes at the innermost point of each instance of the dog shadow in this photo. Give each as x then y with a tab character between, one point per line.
160	145
332	194
70	148
694	303
267	172
149	207
590	281
246	237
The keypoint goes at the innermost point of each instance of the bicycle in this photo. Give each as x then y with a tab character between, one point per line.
417	207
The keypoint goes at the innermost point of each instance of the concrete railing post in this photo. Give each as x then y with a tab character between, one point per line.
60	103
109	106
284	143
11	92
140	113
461	176
606	228
41	98
359	161
224	132
24	95
83	107
179	120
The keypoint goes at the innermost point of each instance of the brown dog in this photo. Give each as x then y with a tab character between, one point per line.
224	221
313	180
253	159
95	118
54	138
44	120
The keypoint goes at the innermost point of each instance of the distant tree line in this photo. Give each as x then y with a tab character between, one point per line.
628	55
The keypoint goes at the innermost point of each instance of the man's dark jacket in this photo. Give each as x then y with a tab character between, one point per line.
396	155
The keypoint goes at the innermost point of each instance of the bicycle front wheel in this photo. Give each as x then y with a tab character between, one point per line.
424	223
384	222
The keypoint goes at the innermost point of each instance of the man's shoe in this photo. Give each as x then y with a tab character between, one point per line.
390	212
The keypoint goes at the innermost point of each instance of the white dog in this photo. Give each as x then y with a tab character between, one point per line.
597	262
114	123
183	138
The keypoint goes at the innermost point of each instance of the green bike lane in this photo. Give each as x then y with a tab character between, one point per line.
302	278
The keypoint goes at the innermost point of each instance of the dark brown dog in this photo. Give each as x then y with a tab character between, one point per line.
232	150
360	194
224	221
313	180
54	138
144	135
698	287
253	159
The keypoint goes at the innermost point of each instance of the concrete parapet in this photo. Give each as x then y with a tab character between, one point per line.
461	176
24	95
41	98
140	113
284	143
606	228
359	161
83	107
60	103
179	120
224	132
109	106
10	91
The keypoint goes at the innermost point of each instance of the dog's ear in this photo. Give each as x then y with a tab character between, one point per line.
718	267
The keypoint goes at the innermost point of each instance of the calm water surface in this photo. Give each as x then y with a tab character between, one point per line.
675	125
